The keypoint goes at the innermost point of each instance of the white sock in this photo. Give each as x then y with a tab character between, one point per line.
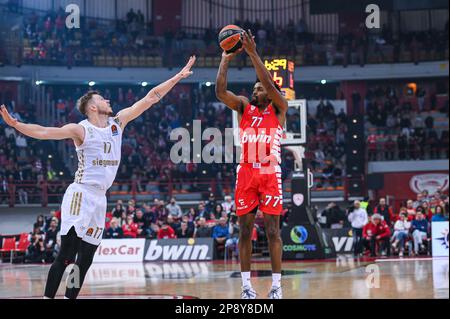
246	279
276	280
47	297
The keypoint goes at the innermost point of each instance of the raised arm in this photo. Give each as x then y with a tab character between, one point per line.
234	102
72	131
154	96
278	100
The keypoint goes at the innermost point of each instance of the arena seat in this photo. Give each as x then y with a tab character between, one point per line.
133	61
209	62
150	61
9	246
158	62
23	243
126	61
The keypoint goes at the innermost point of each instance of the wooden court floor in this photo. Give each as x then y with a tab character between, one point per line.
341	278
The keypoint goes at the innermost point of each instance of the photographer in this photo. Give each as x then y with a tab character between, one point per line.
335	217
358	218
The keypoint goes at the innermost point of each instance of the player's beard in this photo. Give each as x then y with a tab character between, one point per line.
108	113
254	101
258	103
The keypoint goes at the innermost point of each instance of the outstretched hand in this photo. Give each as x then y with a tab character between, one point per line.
230	56
248	42
11	121
186	71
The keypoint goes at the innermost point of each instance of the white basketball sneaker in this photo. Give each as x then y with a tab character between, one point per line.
248	293
276	293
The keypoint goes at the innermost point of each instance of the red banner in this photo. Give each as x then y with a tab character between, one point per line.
407	185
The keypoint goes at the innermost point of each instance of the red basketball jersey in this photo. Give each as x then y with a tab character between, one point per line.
260	134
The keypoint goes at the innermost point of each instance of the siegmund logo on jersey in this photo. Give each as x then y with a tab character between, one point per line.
179	249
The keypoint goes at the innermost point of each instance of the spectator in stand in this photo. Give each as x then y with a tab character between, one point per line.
202	212
166	232
219	212
189	223
130	228
50	239
439	214
221	232
191	215
419	229
173	223
419	201
36	234
231	244
385	211
48	220
143	225
118	210
211	204
160	211
114	231
40	222
185	231
372	147
228	204
401	233
36	252
410	210
426	210
202	230
358	219
131	208
174	209
377	231
389	149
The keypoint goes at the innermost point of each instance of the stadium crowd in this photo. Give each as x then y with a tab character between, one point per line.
158	220
24	159
47	41
380	229
405	126
396	125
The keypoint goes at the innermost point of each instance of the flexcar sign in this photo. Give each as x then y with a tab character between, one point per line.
179	249
120	250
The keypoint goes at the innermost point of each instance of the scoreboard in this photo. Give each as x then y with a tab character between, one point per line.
282	71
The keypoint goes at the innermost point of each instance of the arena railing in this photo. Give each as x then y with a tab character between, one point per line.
44	193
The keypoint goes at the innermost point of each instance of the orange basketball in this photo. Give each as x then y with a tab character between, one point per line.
230	38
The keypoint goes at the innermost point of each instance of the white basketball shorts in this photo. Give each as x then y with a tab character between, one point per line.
84	207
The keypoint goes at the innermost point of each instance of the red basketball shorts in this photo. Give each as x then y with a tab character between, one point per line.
258	186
